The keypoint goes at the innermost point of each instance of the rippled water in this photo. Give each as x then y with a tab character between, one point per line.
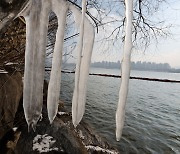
152	122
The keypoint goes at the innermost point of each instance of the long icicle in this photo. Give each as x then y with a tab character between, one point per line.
36	34
84	49
60	8
125	70
78	65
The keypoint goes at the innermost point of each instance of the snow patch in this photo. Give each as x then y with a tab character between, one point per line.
63	113
3	72
97	148
10	63
15	129
44	143
41	117
81	135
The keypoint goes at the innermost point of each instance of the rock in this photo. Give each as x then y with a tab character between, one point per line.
9	141
61	137
10	95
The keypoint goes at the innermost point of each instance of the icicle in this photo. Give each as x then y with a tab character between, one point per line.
77	74
84	49
36	33
36	24
125	70
60	8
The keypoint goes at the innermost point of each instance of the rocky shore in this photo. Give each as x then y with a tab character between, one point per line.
10	95
59	137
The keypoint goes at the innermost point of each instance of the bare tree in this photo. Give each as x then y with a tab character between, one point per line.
145	28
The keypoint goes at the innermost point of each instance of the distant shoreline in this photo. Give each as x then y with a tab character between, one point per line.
167	69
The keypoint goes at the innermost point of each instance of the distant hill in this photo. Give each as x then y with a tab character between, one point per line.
142	66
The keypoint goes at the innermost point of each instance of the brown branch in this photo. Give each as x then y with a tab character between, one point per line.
88	13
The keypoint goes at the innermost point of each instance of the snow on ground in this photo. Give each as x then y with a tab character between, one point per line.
44	143
3	72
81	135
97	148
63	113
10	63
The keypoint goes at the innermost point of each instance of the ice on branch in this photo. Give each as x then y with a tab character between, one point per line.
36	14
36	33
125	70
84	49
60	8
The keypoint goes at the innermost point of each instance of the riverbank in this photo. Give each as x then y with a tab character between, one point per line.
60	137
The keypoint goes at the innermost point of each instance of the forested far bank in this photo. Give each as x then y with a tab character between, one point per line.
142	66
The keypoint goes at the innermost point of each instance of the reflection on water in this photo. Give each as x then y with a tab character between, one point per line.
152	122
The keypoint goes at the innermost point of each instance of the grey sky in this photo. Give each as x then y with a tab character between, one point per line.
167	50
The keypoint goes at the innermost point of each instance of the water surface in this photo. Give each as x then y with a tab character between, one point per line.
152	123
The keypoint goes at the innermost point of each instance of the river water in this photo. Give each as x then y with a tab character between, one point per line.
152	123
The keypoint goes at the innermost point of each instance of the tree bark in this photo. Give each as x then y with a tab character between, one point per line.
9	10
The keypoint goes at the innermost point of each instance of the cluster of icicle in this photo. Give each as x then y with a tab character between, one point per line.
36	15
125	70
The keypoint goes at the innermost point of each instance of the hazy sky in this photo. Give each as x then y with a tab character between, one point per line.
166	51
